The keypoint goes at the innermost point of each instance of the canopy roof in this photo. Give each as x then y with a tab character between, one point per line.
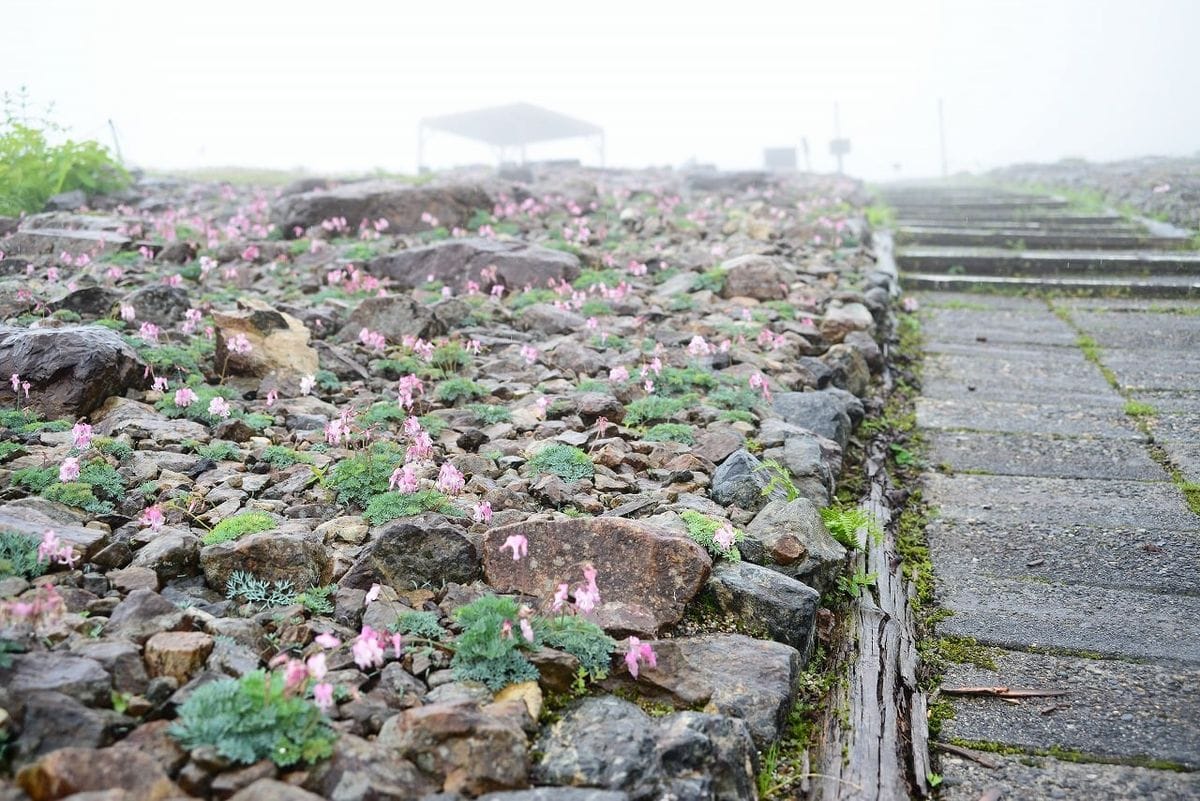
512	125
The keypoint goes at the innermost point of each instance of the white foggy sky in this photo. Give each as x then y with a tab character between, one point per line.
340	86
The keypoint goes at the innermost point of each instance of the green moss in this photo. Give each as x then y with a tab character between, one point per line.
654	408
453	390
1139	409
241	524
392	505
670	432
565	461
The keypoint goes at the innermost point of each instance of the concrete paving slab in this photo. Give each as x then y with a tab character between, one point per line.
999	327
1162	333
1032	615
1133	713
1063	263
1147	560
1034	455
1166	287
1059	501
1024	778
1102	418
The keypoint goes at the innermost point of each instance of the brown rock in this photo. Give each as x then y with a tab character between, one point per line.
841	319
80	770
71	370
362	770
470	751
273	790
457	261
715	446
177	653
399	203
133	578
753	276
270	555
278	342
671	569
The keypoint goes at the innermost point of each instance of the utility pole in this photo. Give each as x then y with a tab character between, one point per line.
837	135
942	137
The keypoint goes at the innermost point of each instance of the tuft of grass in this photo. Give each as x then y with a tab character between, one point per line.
565	461
241	524
392	505
490	414
654	408
670	432
1135	408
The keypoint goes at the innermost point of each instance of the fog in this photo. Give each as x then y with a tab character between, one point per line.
341	86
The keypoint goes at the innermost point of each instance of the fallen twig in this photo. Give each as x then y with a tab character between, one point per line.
1003	692
965	754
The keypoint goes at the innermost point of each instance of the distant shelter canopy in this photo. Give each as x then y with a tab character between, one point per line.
509	129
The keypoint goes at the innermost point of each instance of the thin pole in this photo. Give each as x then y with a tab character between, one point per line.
942	137
116	141
837	135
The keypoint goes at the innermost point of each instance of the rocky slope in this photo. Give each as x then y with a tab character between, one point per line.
385	490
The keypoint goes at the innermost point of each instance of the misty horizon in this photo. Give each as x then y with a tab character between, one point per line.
267	87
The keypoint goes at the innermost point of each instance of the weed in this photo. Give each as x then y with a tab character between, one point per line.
241	524
1135	408
654	408
855	584
780	480
419	624
703	529
359	478
490	414
844	523
219	451
452	390
670	432
392	505
710	280
565	461
260	592
19	555
279	457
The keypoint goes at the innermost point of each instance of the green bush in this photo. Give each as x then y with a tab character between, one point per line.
279	456
844	523
670	432
532	296
452	390
32	170
490	414
197	410
565	461
713	280
482	653
419	624
18	555
35	479
391	505
104	480
359	478
261	592
654	408
115	448
682	380
219	451
239	525
702	528
583	639
79	495
254	718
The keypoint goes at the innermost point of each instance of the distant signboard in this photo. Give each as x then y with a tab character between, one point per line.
839	147
780	159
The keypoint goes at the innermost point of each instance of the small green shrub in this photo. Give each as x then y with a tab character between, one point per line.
654	408
79	495
682	380
10	449
382	413
419	624
702	529
261	592
18	555
736	416
197	410
359	478
327	380
532	296
103	479
35	479
241	524
254	718
712	280
279	457
452	390
450	357
318	600
780	478
565	461
113	447
482	653
490	413
392	505
844	523
591	277
740	398
670	432
583	639
434	426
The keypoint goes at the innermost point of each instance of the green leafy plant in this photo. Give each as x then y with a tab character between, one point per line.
703	529
450	357
452	390
854	585
219	451
711	280
254	590
382	413
682	380
490	414
241	524
391	505
254	718
35	479
327	380
419	624
18	555
318	600
359	478
581	638
79	495
279	457
197	410
115	448
32	170
591	277
670	432
565	461
844	523
654	408
780	479
482	653
532	296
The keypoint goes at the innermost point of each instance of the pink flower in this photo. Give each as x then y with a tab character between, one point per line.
506	630
483	512
648	386
272	396
529	354
367	651
450	479
323	696
639	652
421	448
409	385
219	407
618	375
294	674
238	343
526	630
69	470
316	666
152	516
372	595
404	479
397	642
160	384
306	384
372	340
81	436
910	304
698	347
725	537
128	313
327	640
560	597
148	332
519	545
184	397
15	380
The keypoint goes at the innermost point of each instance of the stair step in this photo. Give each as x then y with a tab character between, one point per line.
1065	263
1165	286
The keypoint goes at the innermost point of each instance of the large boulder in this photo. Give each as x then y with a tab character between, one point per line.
407	556
269	555
765	602
456	261
278	342
400	204
790	536
394	316
828	412
670	569
740	481
754	276
71	370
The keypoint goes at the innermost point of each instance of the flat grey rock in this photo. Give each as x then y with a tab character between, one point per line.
1107	420
1036	455
1047	779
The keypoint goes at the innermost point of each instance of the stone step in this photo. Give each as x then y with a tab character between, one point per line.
1021	240
1115	710
1107	421
1166	286
972	219
1071	618
1040	456
1036	778
1073	264
1057	224
1113	557
1000	327
981	205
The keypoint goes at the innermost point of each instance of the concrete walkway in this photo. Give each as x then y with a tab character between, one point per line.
1061	433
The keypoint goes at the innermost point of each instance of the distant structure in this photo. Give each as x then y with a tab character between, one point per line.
509	129
779	159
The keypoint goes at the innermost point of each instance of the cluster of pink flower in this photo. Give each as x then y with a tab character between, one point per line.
81	436
340	428
82	260
766	337
45	605
429	219
53	551
368	229
372	340
409	385
759	381
369	649
152	517
418	346
335	225
530	354
420	445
